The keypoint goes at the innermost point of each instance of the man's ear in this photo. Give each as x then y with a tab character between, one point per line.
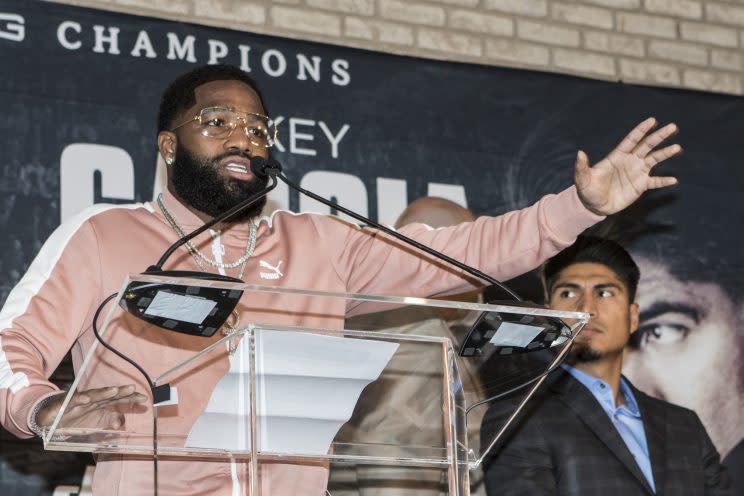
634	317
167	144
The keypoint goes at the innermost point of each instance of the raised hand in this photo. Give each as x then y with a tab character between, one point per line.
93	408
623	176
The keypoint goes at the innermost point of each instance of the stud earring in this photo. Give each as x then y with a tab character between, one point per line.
169	160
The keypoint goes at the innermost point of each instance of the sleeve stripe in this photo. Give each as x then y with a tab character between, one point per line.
9	380
37	274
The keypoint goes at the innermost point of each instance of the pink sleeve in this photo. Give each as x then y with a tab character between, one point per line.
504	247
41	319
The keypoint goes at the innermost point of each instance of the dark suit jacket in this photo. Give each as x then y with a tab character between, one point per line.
564	444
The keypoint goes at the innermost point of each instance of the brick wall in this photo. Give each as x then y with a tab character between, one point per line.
694	44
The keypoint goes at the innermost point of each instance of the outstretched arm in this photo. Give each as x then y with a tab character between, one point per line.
624	174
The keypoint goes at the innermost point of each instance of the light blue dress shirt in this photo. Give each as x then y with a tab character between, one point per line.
626	418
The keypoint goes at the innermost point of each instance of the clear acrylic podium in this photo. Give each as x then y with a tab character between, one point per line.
299	400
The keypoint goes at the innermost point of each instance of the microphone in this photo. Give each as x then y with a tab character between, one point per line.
274	169
481	338
188	309
174	306
262	167
258	166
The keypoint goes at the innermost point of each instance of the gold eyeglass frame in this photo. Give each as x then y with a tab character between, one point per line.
198	118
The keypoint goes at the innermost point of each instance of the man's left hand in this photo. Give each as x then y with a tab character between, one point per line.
623	176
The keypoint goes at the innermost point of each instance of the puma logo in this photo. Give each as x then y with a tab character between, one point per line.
275	272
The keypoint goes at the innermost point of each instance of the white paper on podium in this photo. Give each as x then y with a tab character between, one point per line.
307	387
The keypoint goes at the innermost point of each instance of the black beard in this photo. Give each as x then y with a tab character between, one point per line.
198	182
582	353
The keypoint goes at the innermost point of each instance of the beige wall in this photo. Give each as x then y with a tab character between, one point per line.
694	44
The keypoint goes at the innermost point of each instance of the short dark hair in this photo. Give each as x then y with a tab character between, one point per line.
180	93
592	249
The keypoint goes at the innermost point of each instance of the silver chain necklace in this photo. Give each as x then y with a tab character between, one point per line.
197	255
229	328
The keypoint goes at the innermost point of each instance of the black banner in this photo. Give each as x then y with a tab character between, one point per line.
79	94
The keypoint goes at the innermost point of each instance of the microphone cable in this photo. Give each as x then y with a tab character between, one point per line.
153	388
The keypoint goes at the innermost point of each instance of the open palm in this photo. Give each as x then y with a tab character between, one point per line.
621	177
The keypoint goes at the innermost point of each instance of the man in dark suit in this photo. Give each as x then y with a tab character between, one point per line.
588	431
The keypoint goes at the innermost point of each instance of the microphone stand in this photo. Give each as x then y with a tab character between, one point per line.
274	169
138	296
157	269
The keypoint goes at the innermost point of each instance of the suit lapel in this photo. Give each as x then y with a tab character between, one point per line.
581	401
654	424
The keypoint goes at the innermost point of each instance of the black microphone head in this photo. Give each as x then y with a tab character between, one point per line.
258	166
275	165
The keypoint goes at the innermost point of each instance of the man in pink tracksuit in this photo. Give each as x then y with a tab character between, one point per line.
212	122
